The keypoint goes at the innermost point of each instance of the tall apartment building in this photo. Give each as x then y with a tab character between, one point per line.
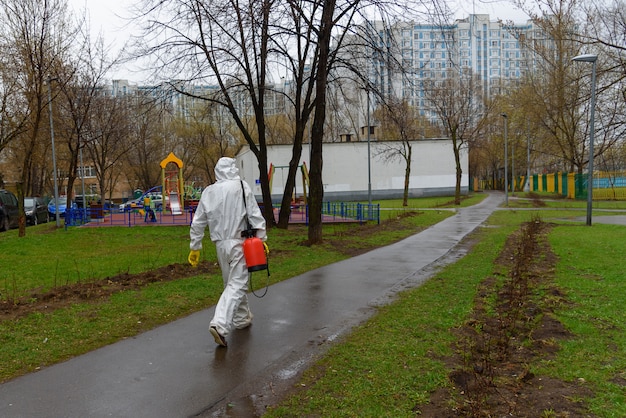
475	45
407	54
168	93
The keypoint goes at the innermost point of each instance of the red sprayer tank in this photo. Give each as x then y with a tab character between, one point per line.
254	253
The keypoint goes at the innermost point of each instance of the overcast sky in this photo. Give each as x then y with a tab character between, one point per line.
103	15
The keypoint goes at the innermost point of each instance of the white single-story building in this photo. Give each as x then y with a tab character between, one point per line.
345	170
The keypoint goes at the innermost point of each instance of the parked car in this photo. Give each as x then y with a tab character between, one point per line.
131	204
36	210
52	210
156	201
9	211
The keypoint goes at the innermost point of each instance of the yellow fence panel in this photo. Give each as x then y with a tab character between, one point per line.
571	186
550	181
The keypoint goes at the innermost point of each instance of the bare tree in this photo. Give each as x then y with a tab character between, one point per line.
605	32
301	95
40	36
400	124
12	109
324	42
336	32
459	105
106	139
147	141
84	74
559	102
206	135
235	45
224	42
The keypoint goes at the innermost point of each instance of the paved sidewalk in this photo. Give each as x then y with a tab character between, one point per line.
176	370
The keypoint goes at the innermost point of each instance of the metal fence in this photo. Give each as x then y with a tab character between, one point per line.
606	185
97	216
360	212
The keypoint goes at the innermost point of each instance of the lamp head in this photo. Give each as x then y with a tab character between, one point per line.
586	58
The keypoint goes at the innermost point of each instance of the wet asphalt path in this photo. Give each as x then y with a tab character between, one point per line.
176	370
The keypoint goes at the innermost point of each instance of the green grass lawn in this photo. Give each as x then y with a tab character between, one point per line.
48	258
392	363
358	376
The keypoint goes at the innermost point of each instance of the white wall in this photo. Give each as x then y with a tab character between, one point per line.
345	170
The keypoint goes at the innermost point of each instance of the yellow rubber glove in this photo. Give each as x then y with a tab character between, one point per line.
194	258
267	249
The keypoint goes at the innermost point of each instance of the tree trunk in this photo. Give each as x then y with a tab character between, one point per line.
285	207
21	220
316	189
407	175
459	171
268	209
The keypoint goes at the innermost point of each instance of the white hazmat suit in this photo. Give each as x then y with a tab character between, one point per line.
222	210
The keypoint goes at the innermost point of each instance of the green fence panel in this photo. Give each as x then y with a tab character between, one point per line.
581	186
556	183
564	184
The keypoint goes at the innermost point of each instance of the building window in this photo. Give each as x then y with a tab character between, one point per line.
88	171
364	130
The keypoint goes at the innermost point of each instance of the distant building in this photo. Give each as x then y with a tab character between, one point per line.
476	45
345	175
408	54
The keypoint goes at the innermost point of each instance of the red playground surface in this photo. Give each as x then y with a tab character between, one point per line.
138	217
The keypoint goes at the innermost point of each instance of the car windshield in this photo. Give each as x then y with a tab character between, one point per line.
28	202
62	201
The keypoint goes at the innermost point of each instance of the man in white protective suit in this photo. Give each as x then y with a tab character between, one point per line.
222	209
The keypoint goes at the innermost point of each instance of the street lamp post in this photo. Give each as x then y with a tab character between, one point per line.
54	158
82	180
513	169
527	183
369	168
506	160
592	58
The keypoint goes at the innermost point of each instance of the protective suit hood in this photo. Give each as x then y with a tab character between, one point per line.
226	169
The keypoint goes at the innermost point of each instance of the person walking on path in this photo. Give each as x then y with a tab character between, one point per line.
223	210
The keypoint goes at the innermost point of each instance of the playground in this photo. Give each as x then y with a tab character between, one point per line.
179	201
